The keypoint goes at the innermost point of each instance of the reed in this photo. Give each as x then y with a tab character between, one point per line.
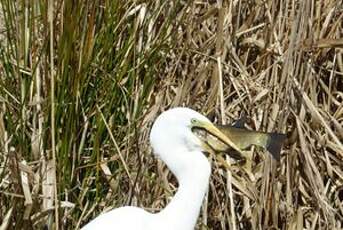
82	81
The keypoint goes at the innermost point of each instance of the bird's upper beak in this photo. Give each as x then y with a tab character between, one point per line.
214	131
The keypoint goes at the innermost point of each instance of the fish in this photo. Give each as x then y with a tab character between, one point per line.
243	138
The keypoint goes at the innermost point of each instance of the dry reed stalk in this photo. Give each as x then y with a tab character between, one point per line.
85	82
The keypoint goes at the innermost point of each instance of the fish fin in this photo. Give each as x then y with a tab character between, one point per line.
274	144
235	155
240	122
236	124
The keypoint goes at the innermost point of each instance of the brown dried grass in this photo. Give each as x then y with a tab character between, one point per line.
280	62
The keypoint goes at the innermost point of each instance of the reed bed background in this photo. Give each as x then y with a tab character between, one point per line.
82	81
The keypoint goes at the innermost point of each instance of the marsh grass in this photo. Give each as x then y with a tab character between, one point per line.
81	83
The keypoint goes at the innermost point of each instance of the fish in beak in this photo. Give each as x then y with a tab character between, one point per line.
216	136
224	138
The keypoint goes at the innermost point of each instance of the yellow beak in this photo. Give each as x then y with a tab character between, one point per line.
213	130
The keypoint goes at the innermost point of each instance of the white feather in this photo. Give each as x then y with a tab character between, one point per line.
173	141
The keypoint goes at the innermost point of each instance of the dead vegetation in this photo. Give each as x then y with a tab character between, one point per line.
81	83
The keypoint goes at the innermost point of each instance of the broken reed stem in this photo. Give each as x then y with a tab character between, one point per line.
116	146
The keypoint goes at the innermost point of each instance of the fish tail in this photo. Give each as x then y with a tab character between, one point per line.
274	144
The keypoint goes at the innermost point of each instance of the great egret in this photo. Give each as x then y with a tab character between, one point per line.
180	149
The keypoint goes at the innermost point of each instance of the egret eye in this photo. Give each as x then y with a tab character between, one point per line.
193	120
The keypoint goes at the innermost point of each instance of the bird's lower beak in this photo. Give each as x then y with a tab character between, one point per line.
214	131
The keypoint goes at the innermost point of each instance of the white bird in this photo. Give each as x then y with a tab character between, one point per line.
175	144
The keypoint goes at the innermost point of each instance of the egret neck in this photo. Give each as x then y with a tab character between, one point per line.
193	174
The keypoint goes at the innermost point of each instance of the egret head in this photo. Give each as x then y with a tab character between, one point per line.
172	130
174	142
